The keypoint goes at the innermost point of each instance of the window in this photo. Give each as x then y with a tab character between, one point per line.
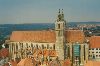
92	49
89	49
54	46
16	46
31	45
96	55
37	46
92	52
96	52
96	48
58	26
42	46
47	46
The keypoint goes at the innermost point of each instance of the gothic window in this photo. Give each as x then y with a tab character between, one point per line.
37	46
31	45
22	45
58	26
42	46
12	47
47	46
54	46
16	46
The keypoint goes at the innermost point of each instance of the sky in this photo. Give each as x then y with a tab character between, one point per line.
46	11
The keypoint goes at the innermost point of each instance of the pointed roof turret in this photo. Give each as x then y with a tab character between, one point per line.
60	16
59	11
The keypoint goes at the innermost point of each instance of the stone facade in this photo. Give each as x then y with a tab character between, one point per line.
60	39
83	53
28	43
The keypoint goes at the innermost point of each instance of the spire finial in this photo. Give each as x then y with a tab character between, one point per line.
62	11
59	11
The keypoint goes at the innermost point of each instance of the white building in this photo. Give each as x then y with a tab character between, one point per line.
94	51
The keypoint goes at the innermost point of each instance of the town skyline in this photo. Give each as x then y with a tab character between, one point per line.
35	11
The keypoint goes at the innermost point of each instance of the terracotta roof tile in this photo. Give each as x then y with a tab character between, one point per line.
33	36
45	53
46	36
4	52
67	62
95	42
74	36
26	62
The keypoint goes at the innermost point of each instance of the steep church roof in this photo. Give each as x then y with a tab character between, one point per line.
46	36
33	36
73	36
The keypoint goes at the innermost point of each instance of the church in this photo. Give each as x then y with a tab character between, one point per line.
48	45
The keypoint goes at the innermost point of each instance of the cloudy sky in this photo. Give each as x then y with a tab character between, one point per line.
38	11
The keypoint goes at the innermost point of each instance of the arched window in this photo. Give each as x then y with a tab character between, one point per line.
42	46
31	45
27	45
54	46
58	26
47	46
37	46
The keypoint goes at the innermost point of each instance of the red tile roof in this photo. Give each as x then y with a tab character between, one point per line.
66	62
26	62
46	53
46	36
54	63
74	36
4	52
95	42
33	36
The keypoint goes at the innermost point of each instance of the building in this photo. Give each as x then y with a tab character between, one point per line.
50	44
94	50
76	47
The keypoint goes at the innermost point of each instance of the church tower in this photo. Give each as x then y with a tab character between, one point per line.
60	39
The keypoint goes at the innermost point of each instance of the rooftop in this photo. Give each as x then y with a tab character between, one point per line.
46	36
95	42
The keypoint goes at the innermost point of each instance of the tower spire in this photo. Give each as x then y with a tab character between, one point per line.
62	11
59	11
